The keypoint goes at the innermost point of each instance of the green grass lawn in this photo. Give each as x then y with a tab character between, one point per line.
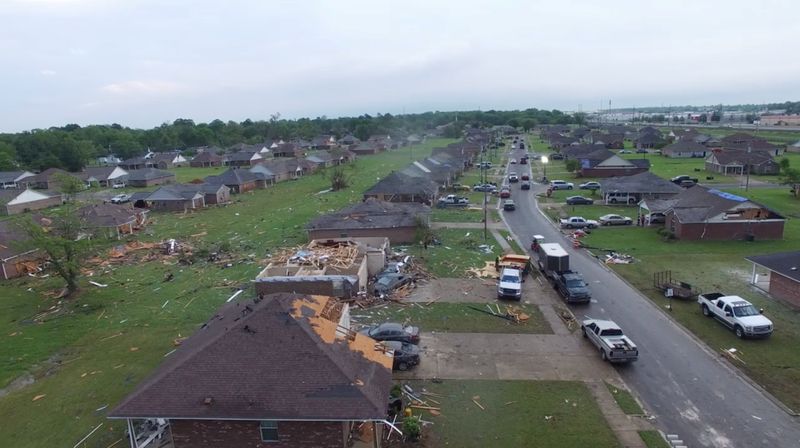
188	174
102	343
514	245
457	252
625	400
516	414
653	439
457	215
457	317
720	266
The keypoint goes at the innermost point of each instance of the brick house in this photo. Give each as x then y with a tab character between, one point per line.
13	202
48	179
176	198
784	275
14	179
604	163
398	221
687	148
399	187
105	176
243	158
239	181
148	177
633	189
112	220
700	213
282	370
167	160
206	159
737	162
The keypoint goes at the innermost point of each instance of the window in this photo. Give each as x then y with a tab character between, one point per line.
269	431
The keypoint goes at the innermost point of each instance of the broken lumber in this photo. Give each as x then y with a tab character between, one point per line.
478	404
427	408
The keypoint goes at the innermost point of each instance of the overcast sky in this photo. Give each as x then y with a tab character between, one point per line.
143	62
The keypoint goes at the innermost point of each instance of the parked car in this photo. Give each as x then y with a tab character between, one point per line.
523	161
615	220
589	186
405	355
579	200
526	177
641	151
121	198
525	185
509	284
118	185
512	161
683	177
459	187
392	331
505	192
608	337
488	188
687	183
556	156
561	185
625	151
387	282
508	205
512	177
578	222
485	165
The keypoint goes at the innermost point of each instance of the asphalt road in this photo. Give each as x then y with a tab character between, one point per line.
689	390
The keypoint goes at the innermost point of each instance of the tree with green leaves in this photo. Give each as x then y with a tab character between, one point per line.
789	175
69	185
58	236
571	165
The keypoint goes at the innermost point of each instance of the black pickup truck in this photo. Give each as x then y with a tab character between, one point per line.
684	180
572	287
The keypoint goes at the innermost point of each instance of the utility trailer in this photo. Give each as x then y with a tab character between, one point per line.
664	282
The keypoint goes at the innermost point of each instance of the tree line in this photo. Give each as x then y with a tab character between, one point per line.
72	147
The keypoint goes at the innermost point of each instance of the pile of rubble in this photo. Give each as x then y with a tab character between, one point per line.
341	255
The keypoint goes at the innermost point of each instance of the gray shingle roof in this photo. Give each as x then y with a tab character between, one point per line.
399	183
372	214
233	177
148	174
784	263
642	183
270	359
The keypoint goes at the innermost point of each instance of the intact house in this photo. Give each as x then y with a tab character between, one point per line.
783	275
167	160
281	370
398	221
366	148
744	141
147	177
399	187
604	163
263	173
239	181
288	150
312	270
214	194
343	155
700	213
136	163
287	168
737	162
638	187
111	220
243	159
648	139
206	159
176	198
685	149
13	202
16	259
49	179
14	179
105	176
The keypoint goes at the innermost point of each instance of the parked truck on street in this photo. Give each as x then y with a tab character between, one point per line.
553	262
735	313
608	337
509	285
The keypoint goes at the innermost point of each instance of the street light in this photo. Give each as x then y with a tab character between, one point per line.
544	160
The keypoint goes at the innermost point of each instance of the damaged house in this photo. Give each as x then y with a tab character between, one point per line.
112	220
338	267
281	370
397	221
700	213
399	187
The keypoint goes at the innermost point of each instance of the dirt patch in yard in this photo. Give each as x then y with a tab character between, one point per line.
454	290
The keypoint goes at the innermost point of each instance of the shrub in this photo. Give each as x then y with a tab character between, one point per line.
411	428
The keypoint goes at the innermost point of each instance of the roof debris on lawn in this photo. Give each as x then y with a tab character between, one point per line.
341	255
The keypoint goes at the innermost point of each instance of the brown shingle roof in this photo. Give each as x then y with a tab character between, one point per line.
273	359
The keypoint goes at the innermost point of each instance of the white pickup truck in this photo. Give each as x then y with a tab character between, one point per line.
606	335
578	222
735	313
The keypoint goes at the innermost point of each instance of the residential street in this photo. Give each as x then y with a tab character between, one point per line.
688	388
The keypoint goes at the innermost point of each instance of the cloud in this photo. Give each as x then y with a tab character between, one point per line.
47	72
150	87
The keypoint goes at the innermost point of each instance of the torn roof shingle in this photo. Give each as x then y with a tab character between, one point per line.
372	214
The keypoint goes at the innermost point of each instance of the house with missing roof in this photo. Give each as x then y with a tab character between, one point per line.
16	259
281	370
701	213
397	221
783	275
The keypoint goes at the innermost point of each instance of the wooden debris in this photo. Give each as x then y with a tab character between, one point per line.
478	404
434	412
39	397
427	408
